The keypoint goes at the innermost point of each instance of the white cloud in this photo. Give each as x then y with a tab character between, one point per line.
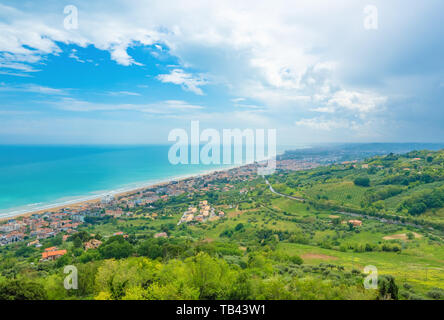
166	107
323	109
324	124
34	89
188	81
356	101
73	55
123	93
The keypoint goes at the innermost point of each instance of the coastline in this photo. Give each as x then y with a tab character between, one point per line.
119	192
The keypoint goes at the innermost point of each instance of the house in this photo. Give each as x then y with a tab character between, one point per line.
356	223
364	166
51	249
161	235
11	237
33	243
52	255
205	213
92	244
78	218
107	199
115	213
192	209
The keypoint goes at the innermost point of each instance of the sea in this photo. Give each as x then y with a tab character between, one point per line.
40	177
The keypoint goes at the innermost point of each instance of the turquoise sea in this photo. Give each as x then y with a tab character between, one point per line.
35	177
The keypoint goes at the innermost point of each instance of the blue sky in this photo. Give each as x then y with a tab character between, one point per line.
134	70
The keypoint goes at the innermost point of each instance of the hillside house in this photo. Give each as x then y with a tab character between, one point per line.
92	244
52	255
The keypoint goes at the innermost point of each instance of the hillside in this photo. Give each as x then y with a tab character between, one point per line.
264	245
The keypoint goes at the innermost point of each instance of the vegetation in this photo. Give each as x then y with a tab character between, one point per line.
267	246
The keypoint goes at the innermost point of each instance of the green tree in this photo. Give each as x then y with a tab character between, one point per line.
387	288
362	181
21	290
116	247
77	242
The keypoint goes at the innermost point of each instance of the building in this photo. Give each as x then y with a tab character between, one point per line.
34	243
356	223
107	199
161	235
92	244
52	253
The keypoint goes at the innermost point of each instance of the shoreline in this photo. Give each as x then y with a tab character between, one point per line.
118	192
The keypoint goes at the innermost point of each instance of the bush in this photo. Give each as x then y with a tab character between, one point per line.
362	182
436	293
21	290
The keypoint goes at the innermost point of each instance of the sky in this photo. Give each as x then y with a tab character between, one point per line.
129	72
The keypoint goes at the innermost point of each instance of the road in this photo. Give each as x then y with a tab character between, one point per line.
281	194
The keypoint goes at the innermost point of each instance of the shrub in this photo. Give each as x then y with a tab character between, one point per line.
436	293
362	181
21	290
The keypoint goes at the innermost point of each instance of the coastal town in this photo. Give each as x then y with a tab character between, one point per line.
35	227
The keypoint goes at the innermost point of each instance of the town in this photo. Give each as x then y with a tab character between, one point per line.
39	226
50	223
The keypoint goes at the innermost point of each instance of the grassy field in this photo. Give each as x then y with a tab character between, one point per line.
340	192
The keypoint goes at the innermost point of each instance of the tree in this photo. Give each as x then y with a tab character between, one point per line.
116	247
239	226
21	290
362	181
210	276
77	242
150	249
387	287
